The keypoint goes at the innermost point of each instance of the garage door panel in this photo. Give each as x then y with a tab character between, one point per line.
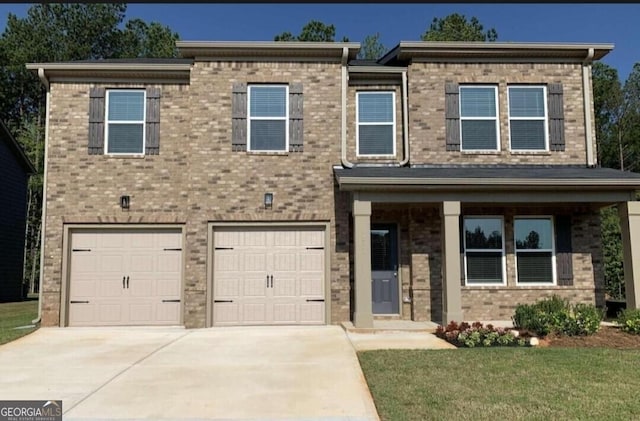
312	313
254	262
167	241
285	238
311	287
168	288
226	313
141	288
141	313
311	239
284	286
114	263
83	314
284	261
254	313
312	260
140	262
111	240
168	262
110	288
254	286
254	239
227	261
109	312
229	287
284	313
167	312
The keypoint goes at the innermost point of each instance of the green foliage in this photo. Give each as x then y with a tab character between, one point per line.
476	334
555	315
455	27
372	48
629	321
314	31
612	253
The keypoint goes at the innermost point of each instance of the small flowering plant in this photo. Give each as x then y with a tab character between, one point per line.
476	334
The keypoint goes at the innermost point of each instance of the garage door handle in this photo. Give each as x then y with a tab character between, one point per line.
123	282
127	282
170	301
315	248
222	301
78	302
318	300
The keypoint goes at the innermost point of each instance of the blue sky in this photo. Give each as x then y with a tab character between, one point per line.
596	23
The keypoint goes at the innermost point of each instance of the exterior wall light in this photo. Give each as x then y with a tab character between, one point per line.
268	200
124	202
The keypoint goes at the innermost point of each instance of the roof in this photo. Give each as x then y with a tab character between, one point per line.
487	176
258	50
487	51
15	147
137	60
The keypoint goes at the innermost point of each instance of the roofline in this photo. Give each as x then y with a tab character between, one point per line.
260	49
485	50
15	146
132	72
74	66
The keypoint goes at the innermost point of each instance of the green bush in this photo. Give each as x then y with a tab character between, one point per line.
629	321
555	315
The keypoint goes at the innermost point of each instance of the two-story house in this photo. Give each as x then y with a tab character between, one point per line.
275	183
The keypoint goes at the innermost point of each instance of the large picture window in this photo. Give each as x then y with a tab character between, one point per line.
534	250
483	250
528	118
125	122
479	118
268	118
376	123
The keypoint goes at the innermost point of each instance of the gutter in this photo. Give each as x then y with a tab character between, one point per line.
45	82
405	119
343	138
543	182
588	106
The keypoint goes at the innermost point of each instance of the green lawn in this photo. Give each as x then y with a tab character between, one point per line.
504	384
14	315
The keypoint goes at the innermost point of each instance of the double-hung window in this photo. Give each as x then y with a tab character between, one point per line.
479	118
534	250
268	128
528	118
483	250
376	123
125	123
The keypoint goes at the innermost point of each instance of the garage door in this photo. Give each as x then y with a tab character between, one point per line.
268	276
123	277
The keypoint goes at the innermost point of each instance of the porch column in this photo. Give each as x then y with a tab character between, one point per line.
363	315
630	228
451	296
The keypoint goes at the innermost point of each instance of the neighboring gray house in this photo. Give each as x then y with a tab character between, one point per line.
15	168
266	183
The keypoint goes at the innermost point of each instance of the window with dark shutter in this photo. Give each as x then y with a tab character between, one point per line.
564	250
96	121
556	117
296	129
484	250
239	117
452	116
152	141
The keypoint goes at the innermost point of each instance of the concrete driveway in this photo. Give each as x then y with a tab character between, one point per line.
266	373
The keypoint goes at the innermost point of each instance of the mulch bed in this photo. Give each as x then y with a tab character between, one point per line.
606	337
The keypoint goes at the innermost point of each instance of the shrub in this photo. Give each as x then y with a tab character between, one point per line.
629	321
477	334
555	315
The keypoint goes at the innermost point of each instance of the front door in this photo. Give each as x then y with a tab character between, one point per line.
384	269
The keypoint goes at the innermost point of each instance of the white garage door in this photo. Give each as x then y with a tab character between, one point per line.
268	276
125	277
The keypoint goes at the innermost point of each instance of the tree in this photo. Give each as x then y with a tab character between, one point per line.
609	110
372	48
314	30
455	27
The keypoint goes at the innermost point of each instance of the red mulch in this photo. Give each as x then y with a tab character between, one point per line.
606	337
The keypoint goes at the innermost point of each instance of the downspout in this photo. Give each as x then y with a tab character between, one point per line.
586	77
405	119
343	143
45	82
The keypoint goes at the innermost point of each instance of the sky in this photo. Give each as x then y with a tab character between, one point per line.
590	23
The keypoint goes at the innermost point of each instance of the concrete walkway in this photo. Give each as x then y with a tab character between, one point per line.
244	373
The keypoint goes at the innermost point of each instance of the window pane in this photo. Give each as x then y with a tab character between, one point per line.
375	140
533	234
484	267
381	250
268	101
526	102
479	134
483	233
268	135
126	105
477	102
527	134
125	138
534	267
375	107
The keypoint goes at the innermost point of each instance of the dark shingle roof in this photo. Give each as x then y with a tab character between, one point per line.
131	61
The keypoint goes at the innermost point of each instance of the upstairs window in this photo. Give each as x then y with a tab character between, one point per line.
534	250
479	118
268	128
125	128
483	250
376	123
528	118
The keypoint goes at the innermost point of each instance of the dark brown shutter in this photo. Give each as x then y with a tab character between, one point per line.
564	253
152	140
462	274
96	121
295	118
556	117
239	117
452	116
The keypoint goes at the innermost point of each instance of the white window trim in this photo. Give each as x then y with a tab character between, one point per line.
496	118
393	124
545	119
503	257
285	118
552	250
107	122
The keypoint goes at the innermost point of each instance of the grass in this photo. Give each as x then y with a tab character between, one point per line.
16	314
504	383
